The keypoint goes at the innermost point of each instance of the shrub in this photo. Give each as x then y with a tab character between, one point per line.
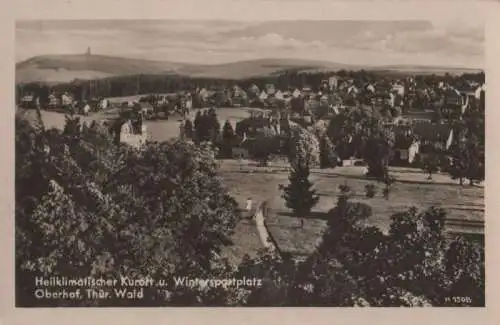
344	189
370	190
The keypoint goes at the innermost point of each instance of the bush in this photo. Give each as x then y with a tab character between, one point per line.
386	192
370	190
344	189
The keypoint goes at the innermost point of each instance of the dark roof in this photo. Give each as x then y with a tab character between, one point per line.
432	131
403	139
146	105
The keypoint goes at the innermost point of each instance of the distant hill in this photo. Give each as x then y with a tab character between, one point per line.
65	68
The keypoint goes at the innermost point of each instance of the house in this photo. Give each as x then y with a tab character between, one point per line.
352	90
54	101
453	98
239	96
263	96
398	88
66	99
324	86
279	95
307	91
324	99
296	93
270	89
103	104
370	88
257	147
333	82
406	145
253	90
433	136
238	92
203	94
28	101
395	100
146	108
130	136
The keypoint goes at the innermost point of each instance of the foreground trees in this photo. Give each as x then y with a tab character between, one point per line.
90	214
85	207
413	264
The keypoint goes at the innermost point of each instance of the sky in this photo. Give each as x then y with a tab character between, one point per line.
416	42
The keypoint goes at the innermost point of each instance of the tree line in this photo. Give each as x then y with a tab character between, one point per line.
119	86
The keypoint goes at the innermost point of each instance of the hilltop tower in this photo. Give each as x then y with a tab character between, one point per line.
88	51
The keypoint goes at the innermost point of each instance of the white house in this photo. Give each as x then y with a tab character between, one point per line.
128	136
479	90
296	93
66	99
279	95
399	89
333	82
86	109
263	96
352	90
103	104
270	89
370	88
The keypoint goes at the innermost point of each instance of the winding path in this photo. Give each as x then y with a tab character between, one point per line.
265	238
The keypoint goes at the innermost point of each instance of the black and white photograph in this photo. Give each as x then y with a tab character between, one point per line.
266	163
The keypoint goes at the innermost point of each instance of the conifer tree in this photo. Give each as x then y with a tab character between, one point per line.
299	194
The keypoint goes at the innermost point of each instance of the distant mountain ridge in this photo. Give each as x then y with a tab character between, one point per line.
65	68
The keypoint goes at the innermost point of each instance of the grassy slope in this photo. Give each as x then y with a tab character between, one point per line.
412	190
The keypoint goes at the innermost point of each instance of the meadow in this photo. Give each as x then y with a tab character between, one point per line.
464	204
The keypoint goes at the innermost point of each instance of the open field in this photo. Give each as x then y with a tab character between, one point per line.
465	205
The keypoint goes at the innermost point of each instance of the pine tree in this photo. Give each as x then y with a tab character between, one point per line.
198	124
227	131
213	125
228	136
467	160
188	129
327	156
299	194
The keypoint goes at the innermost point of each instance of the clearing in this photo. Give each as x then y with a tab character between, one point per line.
464	205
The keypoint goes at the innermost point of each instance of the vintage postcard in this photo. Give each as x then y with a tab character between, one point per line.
225	161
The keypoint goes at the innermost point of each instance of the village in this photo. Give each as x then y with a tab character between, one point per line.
418	112
335	182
